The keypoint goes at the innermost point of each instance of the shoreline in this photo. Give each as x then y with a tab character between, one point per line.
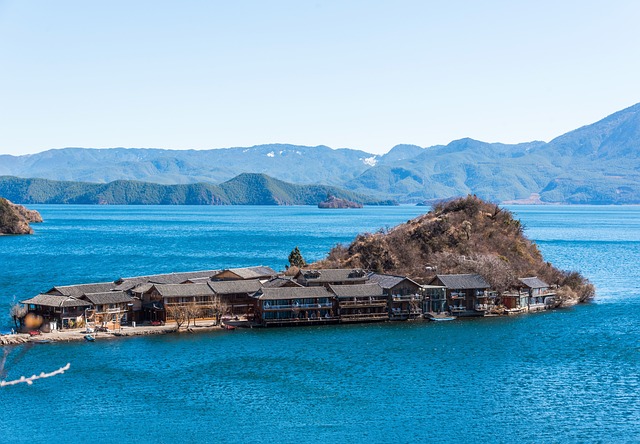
76	335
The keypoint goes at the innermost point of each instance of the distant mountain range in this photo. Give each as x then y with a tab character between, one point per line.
245	189
598	163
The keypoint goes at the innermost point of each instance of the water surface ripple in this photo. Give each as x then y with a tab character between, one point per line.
562	376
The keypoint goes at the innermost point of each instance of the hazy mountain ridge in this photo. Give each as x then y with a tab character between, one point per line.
245	189
292	163
597	163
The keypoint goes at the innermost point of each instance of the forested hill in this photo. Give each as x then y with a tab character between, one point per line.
246	189
597	163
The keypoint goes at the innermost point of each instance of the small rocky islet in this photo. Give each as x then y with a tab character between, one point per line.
336	202
15	219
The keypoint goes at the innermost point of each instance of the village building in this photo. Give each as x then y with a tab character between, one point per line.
110	309
467	294
257	296
161	302
361	302
235	297
331	276
434	299
279	306
540	293
57	311
405	296
532	294
248	273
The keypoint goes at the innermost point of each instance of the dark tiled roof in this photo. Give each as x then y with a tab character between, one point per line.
108	297
125	284
351	291
388	281
326	276
251	272
129	283
293	293
231	287
52	300
142	288
185	290
281	282
534	282
79	290
462	281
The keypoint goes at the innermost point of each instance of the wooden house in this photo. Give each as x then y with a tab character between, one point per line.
161	301
434	299
110	308
541	295
405	297
247	273
331	276
533	294
466	293
278	306
235	297
56	311
361	302
515	301
395	285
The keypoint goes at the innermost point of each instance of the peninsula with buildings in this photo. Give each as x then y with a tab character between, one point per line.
465	258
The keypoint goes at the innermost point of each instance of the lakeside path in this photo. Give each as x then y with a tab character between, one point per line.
80	333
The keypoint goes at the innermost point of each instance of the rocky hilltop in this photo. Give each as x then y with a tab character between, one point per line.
465	235
15	219
335	202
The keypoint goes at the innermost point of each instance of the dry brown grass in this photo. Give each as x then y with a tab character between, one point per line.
465	235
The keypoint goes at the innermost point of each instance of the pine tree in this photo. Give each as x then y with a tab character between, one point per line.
296	259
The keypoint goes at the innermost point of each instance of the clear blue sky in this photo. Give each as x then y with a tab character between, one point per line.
360	74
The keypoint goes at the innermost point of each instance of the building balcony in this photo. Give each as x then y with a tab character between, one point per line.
286	321
294	307
360	317
191	304
360	304
406	298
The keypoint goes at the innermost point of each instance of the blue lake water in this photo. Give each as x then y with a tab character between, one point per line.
563	376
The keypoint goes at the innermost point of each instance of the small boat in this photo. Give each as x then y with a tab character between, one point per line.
42	341
228	327
442	319
89	338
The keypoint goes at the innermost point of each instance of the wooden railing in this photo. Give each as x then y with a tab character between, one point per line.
300	320
296	306
363	303
364	316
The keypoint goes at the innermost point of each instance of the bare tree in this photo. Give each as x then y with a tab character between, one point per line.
178	314
18	311
192	311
